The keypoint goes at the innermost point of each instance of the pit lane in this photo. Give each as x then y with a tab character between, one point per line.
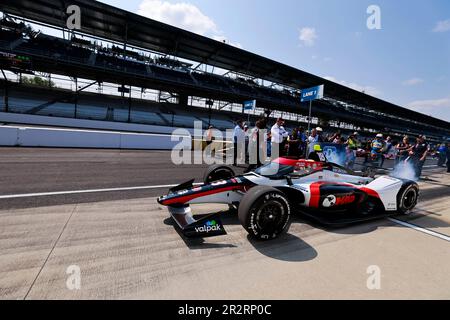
126	247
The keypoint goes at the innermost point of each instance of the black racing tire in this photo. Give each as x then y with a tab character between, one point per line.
216	173
265	213
407	198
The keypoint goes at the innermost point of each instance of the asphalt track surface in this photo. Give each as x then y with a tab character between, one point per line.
41	170
126	245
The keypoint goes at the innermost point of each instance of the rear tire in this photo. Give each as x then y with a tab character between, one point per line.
265	213
407	198
216	173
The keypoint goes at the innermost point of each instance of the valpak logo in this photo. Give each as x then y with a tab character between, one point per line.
210	226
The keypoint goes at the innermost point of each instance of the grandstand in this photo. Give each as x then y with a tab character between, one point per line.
196	78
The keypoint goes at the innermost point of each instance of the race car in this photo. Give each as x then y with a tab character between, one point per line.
267	197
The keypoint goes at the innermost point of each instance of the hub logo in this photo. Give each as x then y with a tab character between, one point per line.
331	200
210	226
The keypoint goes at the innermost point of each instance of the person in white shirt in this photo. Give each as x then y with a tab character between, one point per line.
239	143
279	136
314	139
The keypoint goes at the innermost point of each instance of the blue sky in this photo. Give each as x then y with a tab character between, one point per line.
406	62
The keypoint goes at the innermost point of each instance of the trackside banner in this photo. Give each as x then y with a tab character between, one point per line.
334	152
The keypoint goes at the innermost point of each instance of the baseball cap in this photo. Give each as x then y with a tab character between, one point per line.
319	129
317	148
379	135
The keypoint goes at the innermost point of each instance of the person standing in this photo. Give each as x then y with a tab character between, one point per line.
257	145
448	157
376	151
387	147
209	135
269	144
279	137
314	139
294	144
442	154
418	154
352	147
239	143
352	142
297	143
402	150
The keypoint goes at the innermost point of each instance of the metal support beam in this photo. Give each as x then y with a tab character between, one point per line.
6	99
76	98
226	104
129	106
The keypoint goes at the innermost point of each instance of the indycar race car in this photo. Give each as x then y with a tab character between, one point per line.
266	197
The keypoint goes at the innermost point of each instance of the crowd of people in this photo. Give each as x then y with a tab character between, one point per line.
301	144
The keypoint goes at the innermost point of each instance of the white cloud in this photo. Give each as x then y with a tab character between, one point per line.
412	82
183	15
442	26
438	108
308	36
366	89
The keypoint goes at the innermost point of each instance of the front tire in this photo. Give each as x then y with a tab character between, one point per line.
216	173
265	213
407	198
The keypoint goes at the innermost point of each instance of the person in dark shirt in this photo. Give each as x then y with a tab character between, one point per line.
418	154
297	143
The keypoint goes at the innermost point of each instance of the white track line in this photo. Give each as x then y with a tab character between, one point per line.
45	194
420	229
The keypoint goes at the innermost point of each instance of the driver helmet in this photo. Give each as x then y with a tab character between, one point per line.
317	148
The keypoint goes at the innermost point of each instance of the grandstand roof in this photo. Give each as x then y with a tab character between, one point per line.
101	20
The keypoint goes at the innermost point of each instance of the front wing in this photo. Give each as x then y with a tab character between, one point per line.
206	226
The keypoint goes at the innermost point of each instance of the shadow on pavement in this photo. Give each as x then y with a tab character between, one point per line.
286	248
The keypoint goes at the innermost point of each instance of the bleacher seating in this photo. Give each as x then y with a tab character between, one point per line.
128	61
115	58
97	107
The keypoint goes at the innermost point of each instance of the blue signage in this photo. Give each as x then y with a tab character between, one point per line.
312	94
249	105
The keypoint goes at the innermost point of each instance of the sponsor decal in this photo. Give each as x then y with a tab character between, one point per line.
301	188
210	226
219	183
332	200
339	170
329	201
